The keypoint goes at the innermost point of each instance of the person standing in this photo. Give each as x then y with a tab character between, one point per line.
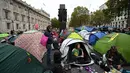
49	43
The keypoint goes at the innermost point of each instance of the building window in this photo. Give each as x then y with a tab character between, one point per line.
25	9
122	22
28	19
6	12
35	20
29	27
32	20
23	16
8	25
19	6
17	26
16	16
23	26
119	26
11	2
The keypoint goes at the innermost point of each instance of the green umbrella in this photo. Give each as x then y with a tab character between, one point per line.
122	41
17	60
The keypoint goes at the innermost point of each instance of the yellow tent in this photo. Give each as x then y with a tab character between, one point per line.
75	35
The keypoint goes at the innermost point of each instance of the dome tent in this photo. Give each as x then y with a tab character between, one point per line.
115	39
94	37
2	36
17	60
66	51
85	34
88	28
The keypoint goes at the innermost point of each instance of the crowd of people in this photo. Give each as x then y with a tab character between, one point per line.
55	37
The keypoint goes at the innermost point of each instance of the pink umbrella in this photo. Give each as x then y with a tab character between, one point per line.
30	41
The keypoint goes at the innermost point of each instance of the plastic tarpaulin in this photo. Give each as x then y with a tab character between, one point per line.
17	60
122	41
94	37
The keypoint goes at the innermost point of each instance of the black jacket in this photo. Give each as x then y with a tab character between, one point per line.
117	58
49	35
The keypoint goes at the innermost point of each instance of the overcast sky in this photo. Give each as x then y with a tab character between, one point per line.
52	6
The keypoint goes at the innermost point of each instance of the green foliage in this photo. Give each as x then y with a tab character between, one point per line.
115	7
99	18
55	23
80	16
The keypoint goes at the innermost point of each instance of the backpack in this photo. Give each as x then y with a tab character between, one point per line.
44	40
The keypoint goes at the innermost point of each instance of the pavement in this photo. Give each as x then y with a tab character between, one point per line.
72	70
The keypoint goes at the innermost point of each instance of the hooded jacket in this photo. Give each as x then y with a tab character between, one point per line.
49	35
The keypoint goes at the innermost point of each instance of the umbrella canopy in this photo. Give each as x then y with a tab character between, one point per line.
3	35
17	60
115	39
31	31
30	41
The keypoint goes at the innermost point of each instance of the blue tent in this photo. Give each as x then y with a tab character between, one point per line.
94	37
89	29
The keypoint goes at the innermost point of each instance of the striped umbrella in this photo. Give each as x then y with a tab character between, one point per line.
30	41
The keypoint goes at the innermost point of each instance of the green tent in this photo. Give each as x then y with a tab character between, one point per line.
3	35
75	35
122	41
17	60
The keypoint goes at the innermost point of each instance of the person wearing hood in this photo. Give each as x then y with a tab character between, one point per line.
49	43
114	58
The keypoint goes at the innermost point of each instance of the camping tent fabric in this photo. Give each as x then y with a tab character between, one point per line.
12	38
122	41
67	42
31	42
94	37
85	34
3	35
15	60
75	35
64	50
89	29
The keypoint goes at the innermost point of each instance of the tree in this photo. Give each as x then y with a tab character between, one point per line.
99	18
80	16
55	23
115	7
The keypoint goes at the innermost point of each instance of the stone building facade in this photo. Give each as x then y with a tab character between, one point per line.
118	21
19	16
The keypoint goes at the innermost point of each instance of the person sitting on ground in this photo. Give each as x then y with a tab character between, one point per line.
114	58
77	51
